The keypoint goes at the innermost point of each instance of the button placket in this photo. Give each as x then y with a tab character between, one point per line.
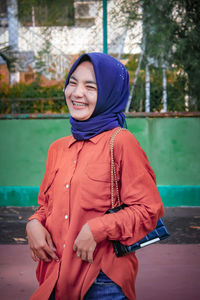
73	167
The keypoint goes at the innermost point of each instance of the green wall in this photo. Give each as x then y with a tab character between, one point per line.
171	144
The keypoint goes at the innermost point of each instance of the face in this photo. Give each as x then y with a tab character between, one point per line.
81	92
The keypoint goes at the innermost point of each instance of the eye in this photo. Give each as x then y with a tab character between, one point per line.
72	82
91	87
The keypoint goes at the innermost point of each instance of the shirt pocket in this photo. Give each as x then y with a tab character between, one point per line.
96	187
99	172
49	191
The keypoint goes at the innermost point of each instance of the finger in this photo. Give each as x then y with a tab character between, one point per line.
50	242
83	255
50	252
74	246
34	257
41	254
90	255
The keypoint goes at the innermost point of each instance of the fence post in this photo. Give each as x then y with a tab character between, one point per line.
105	45
12	10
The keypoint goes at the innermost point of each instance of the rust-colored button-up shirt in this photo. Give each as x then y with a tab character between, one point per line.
76	190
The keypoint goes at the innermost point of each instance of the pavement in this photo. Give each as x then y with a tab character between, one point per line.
168	270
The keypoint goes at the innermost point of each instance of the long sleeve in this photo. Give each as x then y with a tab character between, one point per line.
138	190
41	213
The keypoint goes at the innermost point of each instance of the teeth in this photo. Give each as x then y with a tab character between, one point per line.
78	104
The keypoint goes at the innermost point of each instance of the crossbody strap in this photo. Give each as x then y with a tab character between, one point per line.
113	169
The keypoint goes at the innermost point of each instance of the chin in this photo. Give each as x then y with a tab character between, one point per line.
80	118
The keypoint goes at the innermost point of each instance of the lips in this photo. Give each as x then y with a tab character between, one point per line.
79	104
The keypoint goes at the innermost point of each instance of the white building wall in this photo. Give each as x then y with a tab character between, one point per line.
67	41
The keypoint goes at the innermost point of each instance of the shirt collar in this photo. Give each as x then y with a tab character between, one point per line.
94	139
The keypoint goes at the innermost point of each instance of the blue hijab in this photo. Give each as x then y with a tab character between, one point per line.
112	95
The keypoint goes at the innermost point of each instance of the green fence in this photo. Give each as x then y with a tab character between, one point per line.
171	144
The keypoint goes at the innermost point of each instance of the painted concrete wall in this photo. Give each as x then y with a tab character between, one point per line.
171	144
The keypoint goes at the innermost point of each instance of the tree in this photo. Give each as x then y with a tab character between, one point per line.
187	46
171	30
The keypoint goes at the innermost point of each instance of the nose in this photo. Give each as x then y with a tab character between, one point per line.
78	90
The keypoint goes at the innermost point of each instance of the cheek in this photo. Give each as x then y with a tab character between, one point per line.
94	100
67	94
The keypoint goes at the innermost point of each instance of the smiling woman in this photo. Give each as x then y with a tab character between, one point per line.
81	92
71	233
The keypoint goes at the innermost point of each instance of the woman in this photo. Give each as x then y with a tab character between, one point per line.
70	234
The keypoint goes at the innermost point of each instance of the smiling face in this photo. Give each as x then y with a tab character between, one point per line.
81	92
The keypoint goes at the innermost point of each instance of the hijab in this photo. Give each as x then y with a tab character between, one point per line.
112	95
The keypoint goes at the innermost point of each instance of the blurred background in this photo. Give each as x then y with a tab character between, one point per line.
158	41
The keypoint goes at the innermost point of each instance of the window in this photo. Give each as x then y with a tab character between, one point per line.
46	12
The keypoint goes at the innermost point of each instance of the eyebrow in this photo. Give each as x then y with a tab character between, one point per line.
87	81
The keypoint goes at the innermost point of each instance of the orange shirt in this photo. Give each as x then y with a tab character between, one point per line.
76	190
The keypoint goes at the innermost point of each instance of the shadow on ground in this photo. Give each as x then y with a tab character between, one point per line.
183	223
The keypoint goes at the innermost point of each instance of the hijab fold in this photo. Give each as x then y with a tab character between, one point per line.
112	95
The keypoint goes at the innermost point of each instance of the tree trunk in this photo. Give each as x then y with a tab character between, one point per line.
121	48
147	88
164	90
13	35
138	66
134	81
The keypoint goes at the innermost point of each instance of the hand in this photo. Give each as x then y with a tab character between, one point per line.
85	244
40	242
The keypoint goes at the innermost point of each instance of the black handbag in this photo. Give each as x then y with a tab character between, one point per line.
159	233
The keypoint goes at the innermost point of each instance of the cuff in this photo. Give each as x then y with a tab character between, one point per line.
98	229
37	217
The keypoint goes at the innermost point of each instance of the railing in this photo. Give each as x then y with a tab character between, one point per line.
32	105
55	108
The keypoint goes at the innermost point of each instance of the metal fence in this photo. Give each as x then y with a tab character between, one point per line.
47	40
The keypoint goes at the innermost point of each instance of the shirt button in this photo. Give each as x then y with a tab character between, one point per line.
67	186
66	217
75	161
64	246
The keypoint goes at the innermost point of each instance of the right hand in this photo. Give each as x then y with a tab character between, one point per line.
40	242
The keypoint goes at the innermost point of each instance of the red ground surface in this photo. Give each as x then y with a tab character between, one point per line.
166	272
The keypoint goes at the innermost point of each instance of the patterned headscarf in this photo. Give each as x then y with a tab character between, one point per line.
112	95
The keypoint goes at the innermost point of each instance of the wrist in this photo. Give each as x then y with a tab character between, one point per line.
30	222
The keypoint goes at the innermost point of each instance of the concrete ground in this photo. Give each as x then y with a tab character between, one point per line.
169	270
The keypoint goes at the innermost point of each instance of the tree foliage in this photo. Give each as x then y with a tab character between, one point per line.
187	46
32	98
171	31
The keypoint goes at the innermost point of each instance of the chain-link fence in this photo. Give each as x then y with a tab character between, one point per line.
40	40
47	39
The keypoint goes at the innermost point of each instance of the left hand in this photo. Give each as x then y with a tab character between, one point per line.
85	244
